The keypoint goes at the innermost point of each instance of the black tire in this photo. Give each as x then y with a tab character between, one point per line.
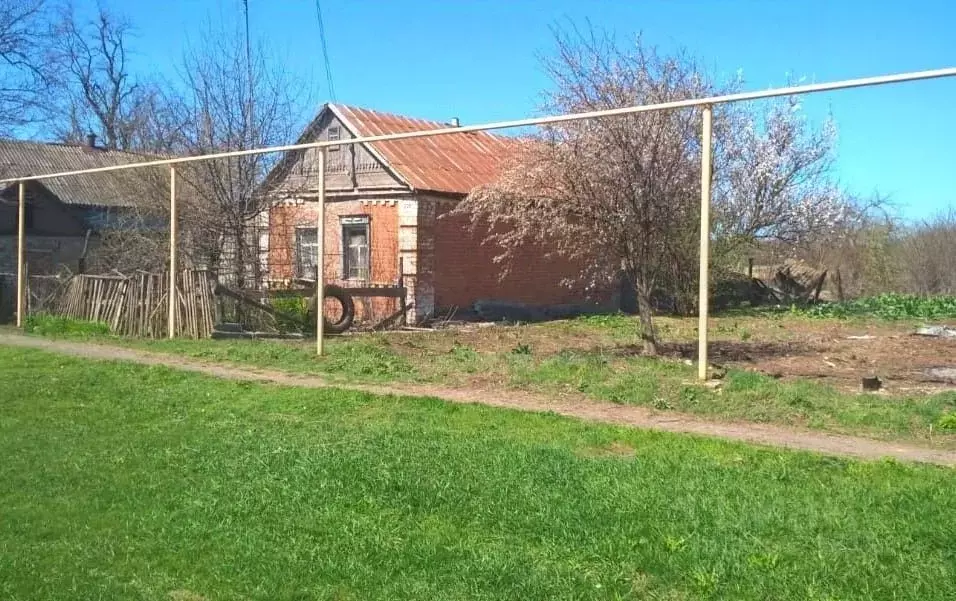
348	310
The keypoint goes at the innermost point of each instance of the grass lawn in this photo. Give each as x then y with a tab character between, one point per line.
128	482
590	359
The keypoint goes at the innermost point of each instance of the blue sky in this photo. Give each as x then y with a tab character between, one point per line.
478	60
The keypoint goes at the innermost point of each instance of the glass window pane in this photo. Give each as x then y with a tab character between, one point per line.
355	251
306	251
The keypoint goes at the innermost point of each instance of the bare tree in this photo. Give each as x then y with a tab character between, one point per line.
622	193
926	254
224	99
101	96
874	250
857	250
230	103
23	78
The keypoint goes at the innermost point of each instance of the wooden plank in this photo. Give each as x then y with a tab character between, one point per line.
135	299
184	306
105	309
120	305
365	291
222	290
375	291
193	303
95	300
146	306
208	303
389	320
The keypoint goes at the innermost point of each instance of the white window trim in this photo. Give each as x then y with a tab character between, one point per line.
298	256
351	221
337	136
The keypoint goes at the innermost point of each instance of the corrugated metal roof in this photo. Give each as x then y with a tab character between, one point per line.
111	189
452	163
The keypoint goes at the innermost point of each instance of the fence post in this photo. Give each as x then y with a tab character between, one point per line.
21	250
705	173
171	297
320	259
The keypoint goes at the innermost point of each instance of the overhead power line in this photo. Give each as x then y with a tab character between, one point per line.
563	118
325	50
249	74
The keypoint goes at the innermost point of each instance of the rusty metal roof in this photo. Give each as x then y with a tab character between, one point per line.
450	164
111	189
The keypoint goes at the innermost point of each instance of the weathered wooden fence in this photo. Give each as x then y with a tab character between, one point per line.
136	305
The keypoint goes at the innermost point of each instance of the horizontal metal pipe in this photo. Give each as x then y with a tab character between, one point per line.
629	110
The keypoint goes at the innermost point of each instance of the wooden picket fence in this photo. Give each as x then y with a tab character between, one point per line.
136	305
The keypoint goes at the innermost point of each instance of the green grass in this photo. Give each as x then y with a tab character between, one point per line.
887	306
127	482
365	359
55	326
665	384
613	375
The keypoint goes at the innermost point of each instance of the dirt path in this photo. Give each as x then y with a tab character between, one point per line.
640	417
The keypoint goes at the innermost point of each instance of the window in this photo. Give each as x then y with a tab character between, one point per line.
335	134
263	251
306	251
355	248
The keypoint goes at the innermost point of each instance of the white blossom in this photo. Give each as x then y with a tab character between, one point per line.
623	192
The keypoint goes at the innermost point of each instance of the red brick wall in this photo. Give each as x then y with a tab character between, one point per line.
465	271
383	242
450	259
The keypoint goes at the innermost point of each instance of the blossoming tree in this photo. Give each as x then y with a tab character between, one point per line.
620	195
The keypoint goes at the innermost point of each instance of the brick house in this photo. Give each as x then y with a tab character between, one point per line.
63	216
385	207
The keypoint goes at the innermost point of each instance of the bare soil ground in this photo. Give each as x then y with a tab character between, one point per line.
834	352
841	354
596	411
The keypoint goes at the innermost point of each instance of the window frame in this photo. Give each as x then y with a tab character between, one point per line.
298	265
354	223
334	137
263	243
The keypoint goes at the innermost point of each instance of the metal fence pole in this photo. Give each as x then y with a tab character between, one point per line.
705	175
21	251
173	234
320	260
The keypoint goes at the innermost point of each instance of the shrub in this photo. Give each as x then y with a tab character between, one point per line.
947	422
521	349
887	306
294	313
